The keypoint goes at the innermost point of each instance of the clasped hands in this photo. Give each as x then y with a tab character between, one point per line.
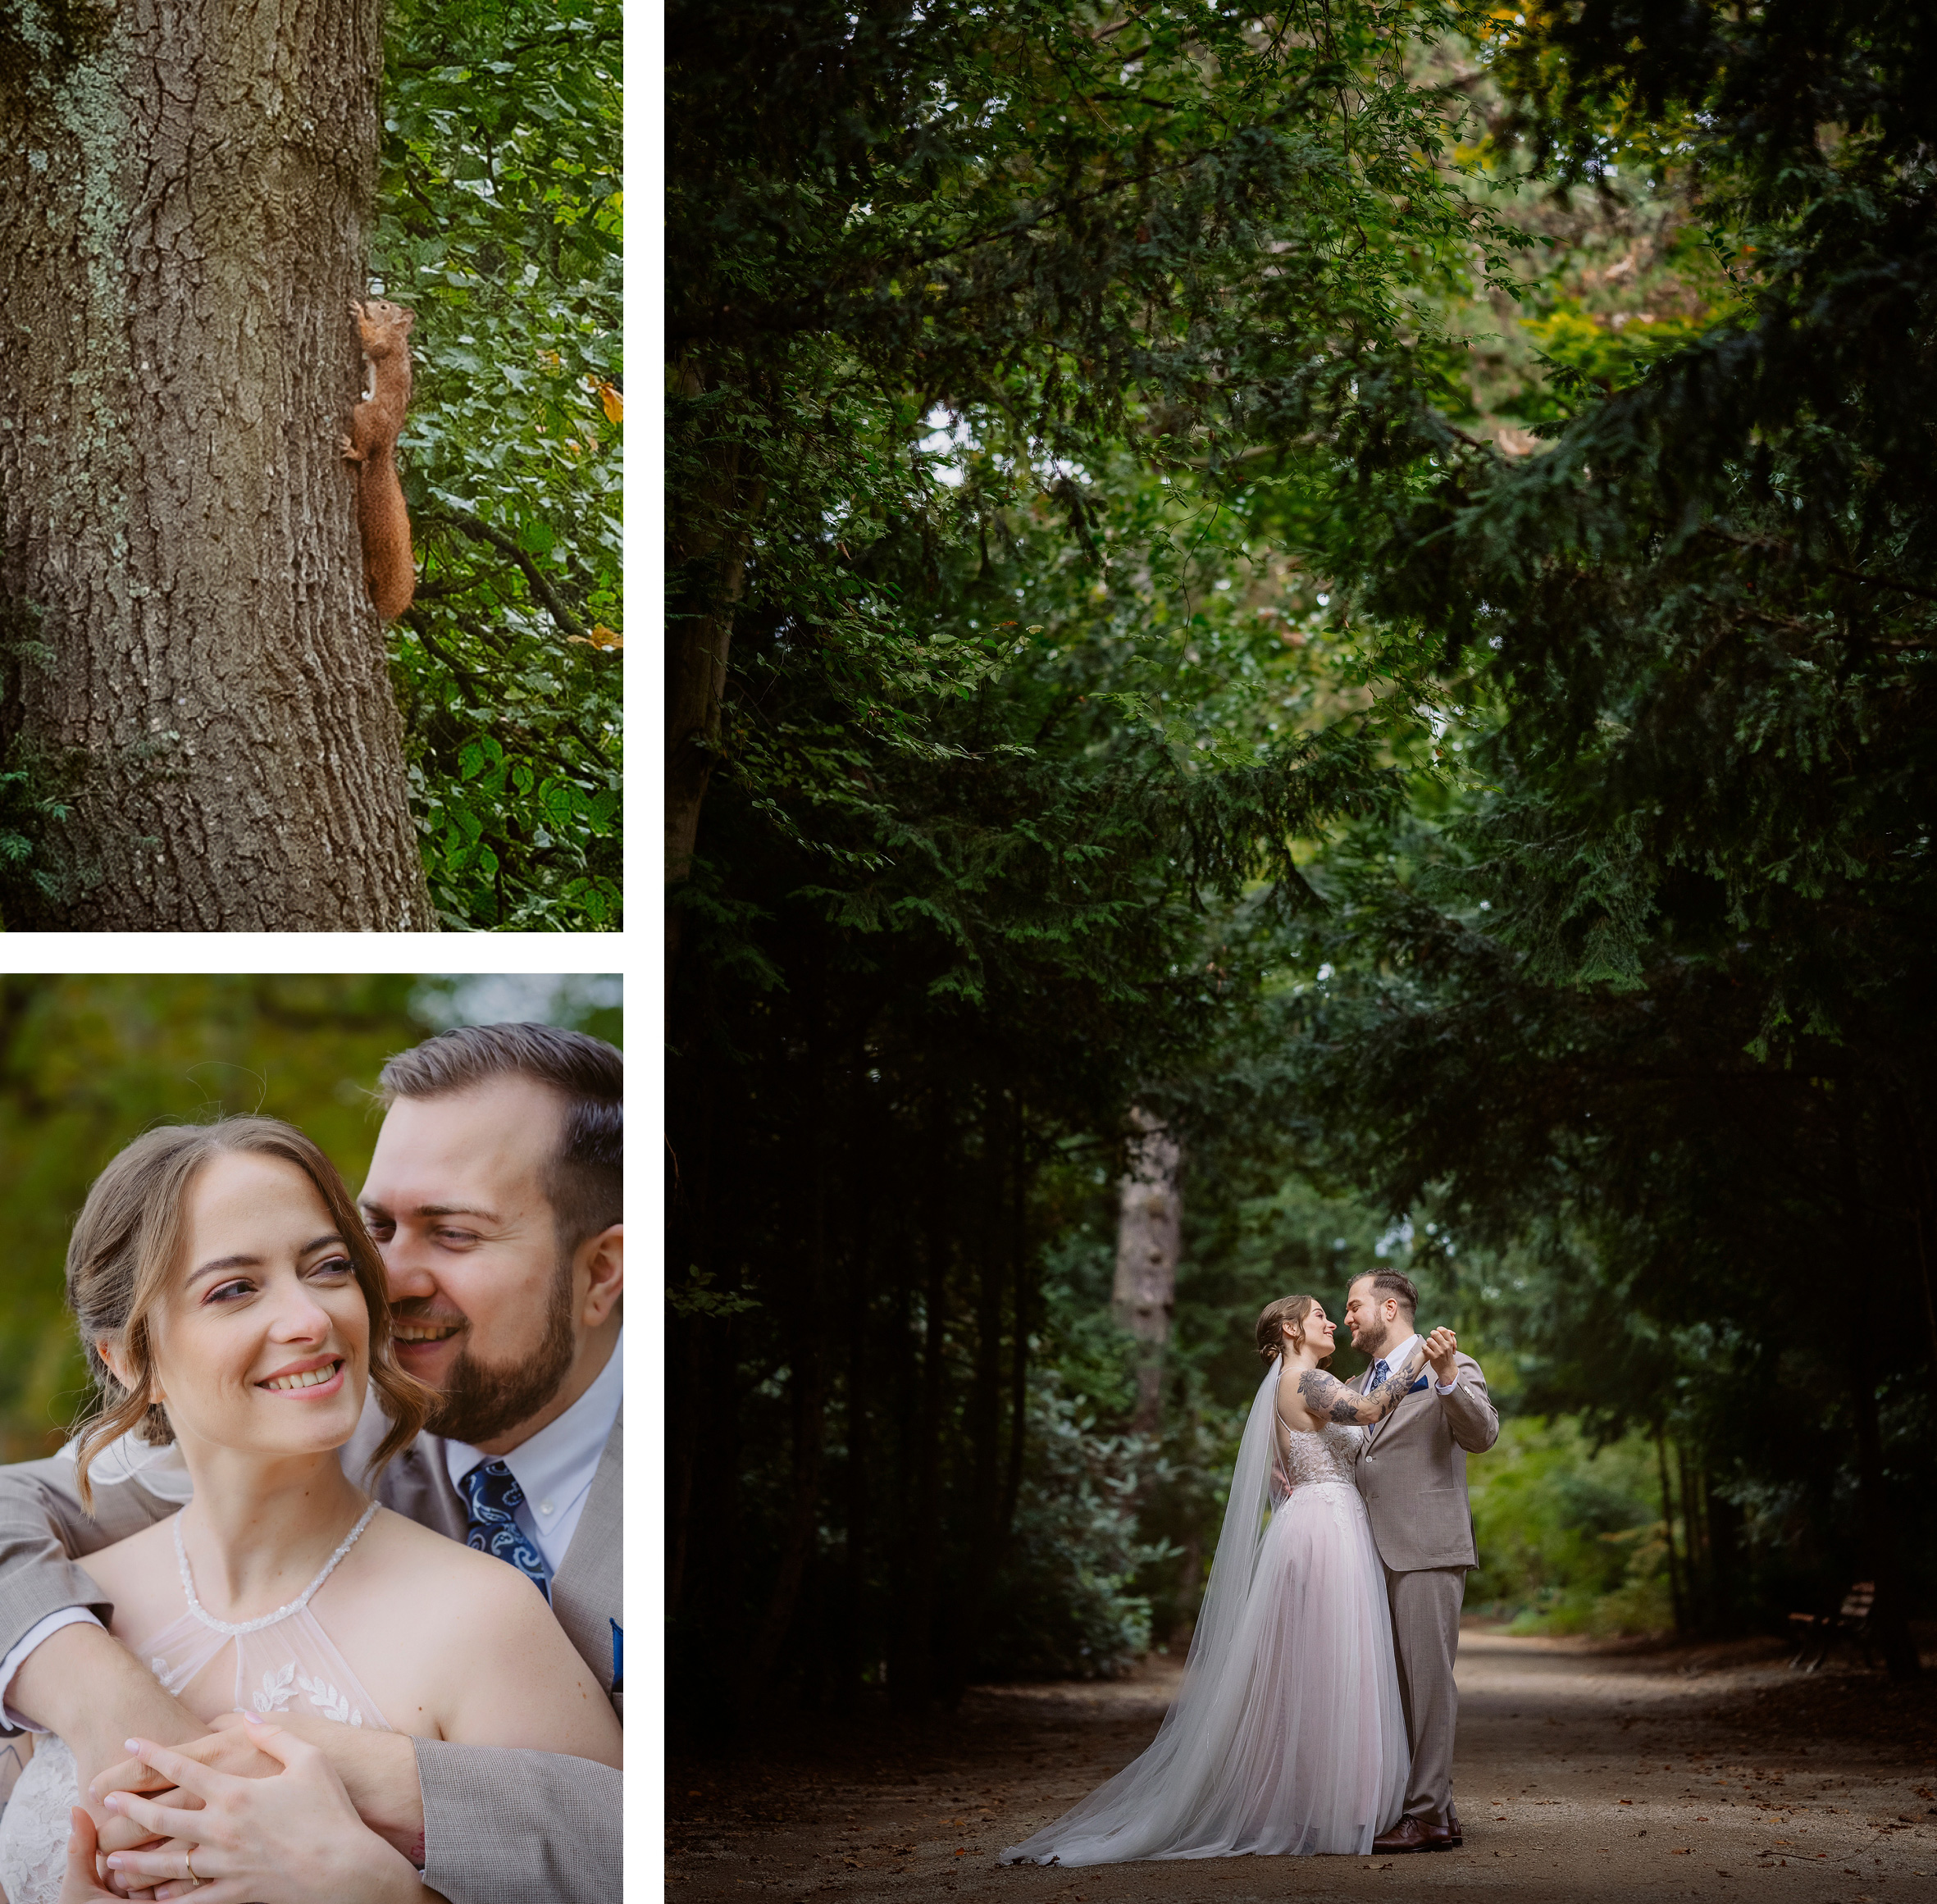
252	1811
1440	1345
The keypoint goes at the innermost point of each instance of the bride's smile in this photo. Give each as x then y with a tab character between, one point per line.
261	1345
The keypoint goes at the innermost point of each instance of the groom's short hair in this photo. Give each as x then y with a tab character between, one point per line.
1390	1282
583	1181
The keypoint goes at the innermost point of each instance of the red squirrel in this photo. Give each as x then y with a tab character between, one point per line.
389	568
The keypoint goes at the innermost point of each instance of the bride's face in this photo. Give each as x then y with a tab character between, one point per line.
262	1342
1319	1330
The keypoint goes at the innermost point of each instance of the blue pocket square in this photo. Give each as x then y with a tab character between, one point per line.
1417	1386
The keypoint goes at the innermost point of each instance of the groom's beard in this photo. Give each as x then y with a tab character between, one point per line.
1373	1344
478	1403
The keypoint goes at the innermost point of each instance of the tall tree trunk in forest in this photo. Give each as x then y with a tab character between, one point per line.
710	559
984	1414
912	1684
1148	1237
807	1346
1018	1356
1725	1552
850	1616
188	647
1676	1594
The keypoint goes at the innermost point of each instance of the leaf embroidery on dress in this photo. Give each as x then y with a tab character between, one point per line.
275	1696
329	1701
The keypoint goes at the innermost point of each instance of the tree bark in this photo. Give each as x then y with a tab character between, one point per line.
186	193
912	1685
1148	1237
710	560
1676	1593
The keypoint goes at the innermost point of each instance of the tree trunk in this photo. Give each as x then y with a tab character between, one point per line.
189	651
913	1685
1676	1593
710	561
1148	1237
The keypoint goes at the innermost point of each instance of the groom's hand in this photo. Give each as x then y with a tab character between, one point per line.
378	1770
1440	1345
293	1836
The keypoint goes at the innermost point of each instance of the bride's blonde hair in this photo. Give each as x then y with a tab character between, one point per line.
128	1240
1273	1318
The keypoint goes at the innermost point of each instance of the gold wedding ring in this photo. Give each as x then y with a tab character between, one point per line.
187	1865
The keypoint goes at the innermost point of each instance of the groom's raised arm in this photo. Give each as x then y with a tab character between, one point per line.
1470	1417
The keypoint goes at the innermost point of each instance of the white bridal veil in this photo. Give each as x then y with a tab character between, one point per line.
1145	1805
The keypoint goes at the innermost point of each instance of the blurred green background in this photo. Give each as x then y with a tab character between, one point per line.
87	1063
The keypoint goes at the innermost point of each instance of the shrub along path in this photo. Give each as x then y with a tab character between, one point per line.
1584	1771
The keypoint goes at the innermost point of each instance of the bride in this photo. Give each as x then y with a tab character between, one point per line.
230	1300
1288	1735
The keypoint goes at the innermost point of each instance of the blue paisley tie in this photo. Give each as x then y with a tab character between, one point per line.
493	1492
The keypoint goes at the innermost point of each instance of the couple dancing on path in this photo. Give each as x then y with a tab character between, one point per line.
1318	1706
347	1507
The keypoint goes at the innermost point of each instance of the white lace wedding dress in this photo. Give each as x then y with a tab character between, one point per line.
283	1660
1288	1735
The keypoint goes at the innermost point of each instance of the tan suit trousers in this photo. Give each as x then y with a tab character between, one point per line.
1425	1603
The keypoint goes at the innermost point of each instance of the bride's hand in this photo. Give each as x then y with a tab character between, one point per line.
293	1839
1440	1345
228	1748
80	1886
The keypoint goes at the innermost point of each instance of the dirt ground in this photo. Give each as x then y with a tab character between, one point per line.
1584	1771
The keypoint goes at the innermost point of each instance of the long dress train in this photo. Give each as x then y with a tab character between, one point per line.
1288	1735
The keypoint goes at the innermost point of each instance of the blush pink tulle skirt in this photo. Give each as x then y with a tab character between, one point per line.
1299	1747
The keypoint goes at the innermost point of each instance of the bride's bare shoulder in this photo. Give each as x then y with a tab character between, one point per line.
442	1570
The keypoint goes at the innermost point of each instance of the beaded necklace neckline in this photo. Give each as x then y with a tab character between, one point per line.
296	1606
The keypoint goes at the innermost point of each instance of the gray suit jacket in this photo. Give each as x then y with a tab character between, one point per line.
1412	1471
501	1826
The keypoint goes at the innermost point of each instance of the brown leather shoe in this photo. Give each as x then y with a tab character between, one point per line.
1409	1834
1447	1836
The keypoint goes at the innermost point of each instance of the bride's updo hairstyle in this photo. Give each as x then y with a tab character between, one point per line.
1273	1318
128	1241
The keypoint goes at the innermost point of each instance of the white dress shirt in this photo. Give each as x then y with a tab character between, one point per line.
554	1468
1393	1357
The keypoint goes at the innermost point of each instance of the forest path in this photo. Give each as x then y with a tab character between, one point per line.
1582	1772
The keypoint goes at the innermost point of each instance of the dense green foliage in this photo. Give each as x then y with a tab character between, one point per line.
966	305
87	1064
1464	764
500	225
1649	996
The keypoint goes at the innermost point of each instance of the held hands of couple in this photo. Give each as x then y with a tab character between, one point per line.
1440	1345
378	1770
289	1838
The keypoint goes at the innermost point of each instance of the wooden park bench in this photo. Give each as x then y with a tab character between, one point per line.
1849	1624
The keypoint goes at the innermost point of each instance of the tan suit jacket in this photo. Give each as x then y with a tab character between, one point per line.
1411	1469
501	1826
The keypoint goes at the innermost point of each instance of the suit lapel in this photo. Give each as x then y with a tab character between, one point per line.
587	1593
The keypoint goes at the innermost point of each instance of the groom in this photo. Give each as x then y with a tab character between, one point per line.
494	1197
1412	1472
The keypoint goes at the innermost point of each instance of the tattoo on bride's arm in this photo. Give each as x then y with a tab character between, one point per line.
1328	1398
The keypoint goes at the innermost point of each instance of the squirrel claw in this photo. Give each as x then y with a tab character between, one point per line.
350	452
